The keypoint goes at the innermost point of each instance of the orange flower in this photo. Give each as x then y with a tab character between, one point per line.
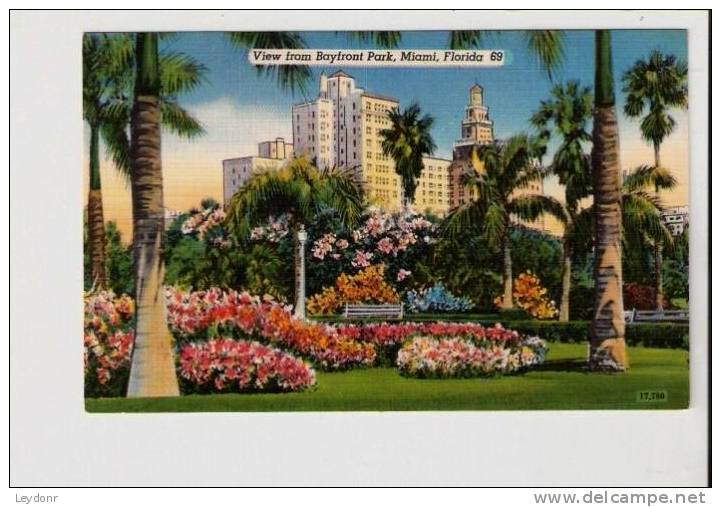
367	286
529	295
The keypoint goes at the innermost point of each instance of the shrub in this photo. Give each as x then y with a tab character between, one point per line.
367	286
641	297
427	357
398	241
435	299
108	342
229	366
531	297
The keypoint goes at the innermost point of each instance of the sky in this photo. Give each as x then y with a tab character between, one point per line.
239	108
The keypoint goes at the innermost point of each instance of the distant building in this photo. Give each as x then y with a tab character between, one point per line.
676	219
433	191
277	150
272	155
477	130
170	216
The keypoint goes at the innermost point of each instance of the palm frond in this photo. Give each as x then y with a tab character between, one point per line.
641	214
462	219
495	224
117	145
178	120
548	48
647	176
342	190
289	77
465	39
180	73
389	40
530	207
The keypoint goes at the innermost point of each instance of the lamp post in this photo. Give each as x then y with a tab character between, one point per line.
302	237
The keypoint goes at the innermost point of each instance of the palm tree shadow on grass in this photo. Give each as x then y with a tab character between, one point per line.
575	365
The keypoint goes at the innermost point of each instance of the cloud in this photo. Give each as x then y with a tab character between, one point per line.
232	130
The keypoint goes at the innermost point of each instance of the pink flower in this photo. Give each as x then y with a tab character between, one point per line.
402	275
362	259
385	245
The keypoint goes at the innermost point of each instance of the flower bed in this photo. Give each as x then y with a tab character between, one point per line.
108	343
226	366
388	338
429	357
205	315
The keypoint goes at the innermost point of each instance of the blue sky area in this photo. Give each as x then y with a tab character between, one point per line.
512	92
239	108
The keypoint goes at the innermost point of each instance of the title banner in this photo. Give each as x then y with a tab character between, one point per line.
379	58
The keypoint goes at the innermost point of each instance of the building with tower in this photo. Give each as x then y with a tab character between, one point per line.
477	130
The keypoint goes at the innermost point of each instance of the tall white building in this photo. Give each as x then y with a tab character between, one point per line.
341	128
272	155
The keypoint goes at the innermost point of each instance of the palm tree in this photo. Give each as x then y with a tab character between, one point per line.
152	371
407	141
641	207
655	86
566	115
500	171
108	64
608	329
642	225
300	191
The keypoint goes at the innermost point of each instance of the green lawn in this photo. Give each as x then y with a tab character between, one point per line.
560	384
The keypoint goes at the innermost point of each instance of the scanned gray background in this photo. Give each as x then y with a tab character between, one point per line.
55	443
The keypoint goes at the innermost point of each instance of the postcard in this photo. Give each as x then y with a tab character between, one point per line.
386	221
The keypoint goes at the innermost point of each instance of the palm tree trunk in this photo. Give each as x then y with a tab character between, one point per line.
658	265
608	329
564	311
152	371
657	248
96	223
299	259
507	303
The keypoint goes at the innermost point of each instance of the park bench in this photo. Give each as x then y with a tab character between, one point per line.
381	311
636	316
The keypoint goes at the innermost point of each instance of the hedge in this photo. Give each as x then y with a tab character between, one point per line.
659	335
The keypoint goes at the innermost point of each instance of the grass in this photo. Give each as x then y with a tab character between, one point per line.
562	383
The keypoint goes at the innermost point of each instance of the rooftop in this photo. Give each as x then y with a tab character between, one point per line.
340	73
379	97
